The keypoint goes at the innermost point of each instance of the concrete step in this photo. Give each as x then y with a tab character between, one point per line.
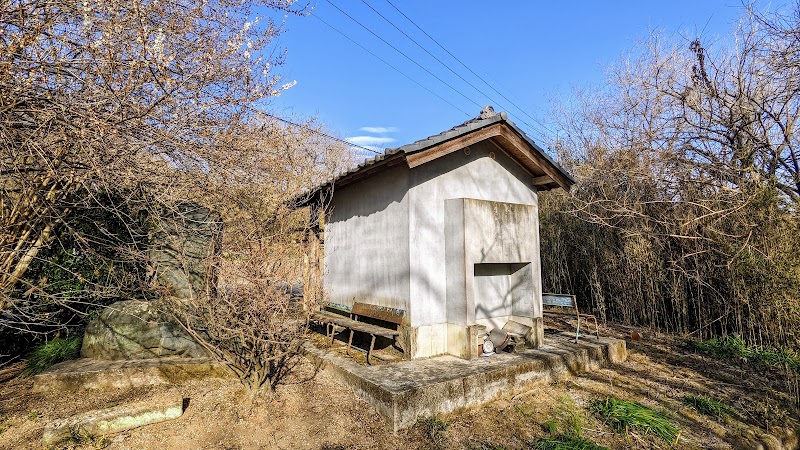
113	420
87	373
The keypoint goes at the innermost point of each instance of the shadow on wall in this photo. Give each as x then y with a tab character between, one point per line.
500	289
396	182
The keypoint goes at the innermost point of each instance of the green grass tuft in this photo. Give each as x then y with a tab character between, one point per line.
624	416
434	429
566	443
551	426
78	439
708	405
52	352
735	346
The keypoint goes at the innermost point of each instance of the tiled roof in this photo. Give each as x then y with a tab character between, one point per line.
486	118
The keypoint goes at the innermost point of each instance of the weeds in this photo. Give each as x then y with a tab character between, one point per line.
327	446
486	446
566	443
624	416
569	417
769	414
79	439
434	429
708	406
52	352
34	415
735	346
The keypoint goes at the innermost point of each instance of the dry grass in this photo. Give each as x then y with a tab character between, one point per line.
314	410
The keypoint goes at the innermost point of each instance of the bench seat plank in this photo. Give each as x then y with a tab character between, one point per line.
326	316
358	310
356	325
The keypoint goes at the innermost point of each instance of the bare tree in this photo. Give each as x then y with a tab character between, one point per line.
687	209
248	320
105	96
112	114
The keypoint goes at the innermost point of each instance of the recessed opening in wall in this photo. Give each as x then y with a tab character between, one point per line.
492	269
499	287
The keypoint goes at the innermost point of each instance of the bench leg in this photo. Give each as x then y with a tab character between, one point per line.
371	345
333	329
349	342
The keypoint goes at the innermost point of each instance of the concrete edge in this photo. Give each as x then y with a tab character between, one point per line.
401	409
127	377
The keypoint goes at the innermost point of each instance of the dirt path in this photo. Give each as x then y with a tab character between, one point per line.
314	411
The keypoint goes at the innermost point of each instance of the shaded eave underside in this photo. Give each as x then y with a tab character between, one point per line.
498	130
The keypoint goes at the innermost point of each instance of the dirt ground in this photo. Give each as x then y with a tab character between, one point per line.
313	410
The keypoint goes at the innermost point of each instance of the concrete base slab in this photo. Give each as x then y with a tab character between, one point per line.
406	390
113	420
88	373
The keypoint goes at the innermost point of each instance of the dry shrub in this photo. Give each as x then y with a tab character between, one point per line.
686	213
131	109
115	99
246	318
251	326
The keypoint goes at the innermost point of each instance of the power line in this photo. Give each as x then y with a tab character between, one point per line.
406	56
439	60
289	122
390	65
467	67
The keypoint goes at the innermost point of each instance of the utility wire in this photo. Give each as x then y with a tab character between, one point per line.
441	62
467	67
388	64
406	56
298	125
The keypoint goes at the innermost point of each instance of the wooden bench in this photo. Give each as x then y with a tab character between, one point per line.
567	301
333	315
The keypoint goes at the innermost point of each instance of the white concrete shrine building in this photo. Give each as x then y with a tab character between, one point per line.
445	229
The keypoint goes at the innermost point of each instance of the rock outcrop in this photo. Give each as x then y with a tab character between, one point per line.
136	329
181	243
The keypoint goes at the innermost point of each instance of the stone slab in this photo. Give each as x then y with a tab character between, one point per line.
114	420
406	390
88	373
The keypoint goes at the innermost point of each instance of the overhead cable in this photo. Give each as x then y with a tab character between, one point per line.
442	62
298	125
390	65
467	67
406	56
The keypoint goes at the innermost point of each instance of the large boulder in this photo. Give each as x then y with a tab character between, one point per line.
136	329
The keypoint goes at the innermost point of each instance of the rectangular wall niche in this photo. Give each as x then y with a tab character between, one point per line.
499	287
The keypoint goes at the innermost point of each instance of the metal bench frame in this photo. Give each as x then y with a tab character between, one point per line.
331	319
568	301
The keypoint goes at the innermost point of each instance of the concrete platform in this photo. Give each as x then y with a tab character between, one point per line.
88	373
406	390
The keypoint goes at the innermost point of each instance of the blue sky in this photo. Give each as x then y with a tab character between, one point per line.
534	53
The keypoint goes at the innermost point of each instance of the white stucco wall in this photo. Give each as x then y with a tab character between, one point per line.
457	175
367	242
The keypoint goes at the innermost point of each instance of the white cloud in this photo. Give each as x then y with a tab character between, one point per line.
378	130
367	141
